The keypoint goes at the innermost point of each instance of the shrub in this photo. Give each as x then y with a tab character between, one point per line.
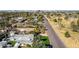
67	34
12	42
28	45
54	20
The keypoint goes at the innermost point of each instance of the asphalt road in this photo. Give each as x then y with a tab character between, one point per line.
53	38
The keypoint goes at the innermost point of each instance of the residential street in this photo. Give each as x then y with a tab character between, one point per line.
53	38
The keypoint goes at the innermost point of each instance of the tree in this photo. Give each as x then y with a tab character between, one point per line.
37	31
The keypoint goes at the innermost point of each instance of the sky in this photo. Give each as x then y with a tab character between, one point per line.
39	5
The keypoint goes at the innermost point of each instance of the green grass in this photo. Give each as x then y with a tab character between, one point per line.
42	42
12	42
45	39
